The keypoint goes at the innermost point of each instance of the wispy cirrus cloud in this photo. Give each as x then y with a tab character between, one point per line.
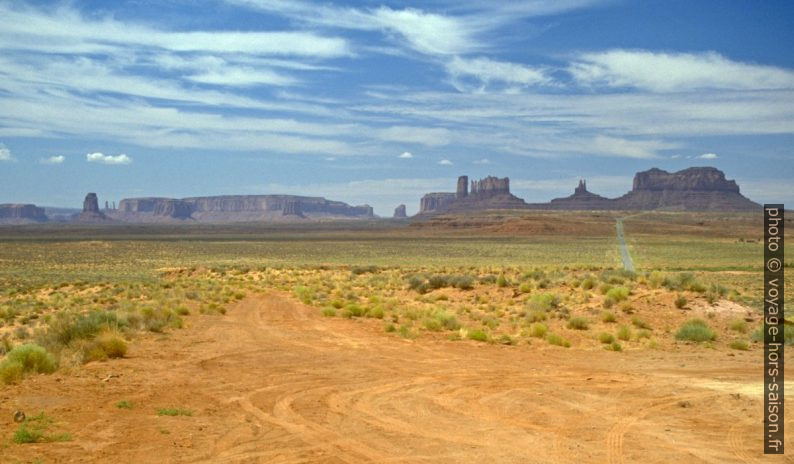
675	72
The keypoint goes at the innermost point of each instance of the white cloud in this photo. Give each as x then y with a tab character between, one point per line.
708	156
430	136
406	155
675	72
483	161
57	159
5	154
445	162
616	146
243	77
107	159
486	71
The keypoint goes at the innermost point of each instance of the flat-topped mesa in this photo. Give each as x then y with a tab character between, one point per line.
490	186
21	213
399	212
432	202
236	208
703	178
693	189
292	208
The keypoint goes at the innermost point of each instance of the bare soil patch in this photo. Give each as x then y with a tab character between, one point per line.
275	382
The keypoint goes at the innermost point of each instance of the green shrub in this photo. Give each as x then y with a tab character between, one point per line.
32	358
605	337
554	339
11	371
174	412
608	317
376	312
588	284
33	430
124	404
639	323
738	325
615	346
329	312
477	335
624	333
695	330
538	330
578	323
432	324
390	328
543	301
536	316
505	340
680	301
739	345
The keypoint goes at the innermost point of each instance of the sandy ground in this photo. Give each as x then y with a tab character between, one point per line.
274	382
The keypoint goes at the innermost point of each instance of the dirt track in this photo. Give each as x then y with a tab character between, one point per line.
274	382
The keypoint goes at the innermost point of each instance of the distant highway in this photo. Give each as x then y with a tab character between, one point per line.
628	264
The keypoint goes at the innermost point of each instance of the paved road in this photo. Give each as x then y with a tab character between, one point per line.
628	264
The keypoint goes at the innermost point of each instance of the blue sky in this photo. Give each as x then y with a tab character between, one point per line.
381	102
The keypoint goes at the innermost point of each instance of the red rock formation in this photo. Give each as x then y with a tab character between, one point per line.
399	212
292	208
91	211
463	187
18	213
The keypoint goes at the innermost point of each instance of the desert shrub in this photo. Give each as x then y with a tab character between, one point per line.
376	312
578	323
605	337
446	320
329	312
739	345
639	323
608	317
304	294
354	309
615	346
33	358
624	333
358	270
477	335
502	281
536	316
505	340
34	430
538	330
738	325
432	324
656	279
543	301
174	412
11	371
112	344
615	295
124	404
604	288
389	328
680	301
588	283
554	339
695	330
643	333
626	308
525	288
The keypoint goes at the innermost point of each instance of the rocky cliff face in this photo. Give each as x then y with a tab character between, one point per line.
488	193
18	213
399	212
236	208
91	211
581	200
707	179
693	189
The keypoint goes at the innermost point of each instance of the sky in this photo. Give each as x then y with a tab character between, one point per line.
381	102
